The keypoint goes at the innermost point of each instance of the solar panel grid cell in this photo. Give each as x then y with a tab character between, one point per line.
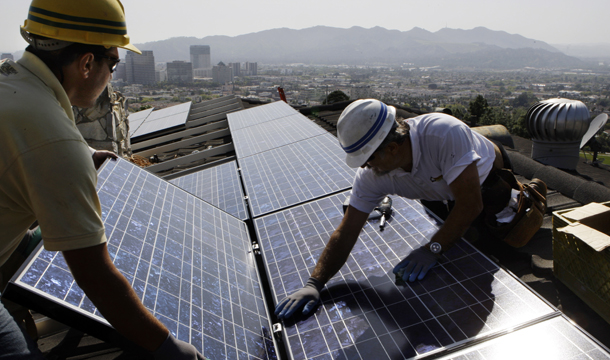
189	263
258	115
272	134
220	186
284	176
364	313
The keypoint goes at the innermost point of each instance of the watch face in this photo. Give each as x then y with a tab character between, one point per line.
436	248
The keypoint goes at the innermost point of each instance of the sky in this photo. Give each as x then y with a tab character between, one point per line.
554	22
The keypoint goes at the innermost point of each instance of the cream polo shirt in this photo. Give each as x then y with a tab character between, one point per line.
46	170
442	147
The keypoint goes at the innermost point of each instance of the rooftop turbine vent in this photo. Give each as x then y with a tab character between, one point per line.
557	127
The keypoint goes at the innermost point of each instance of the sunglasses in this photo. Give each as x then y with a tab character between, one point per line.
114	62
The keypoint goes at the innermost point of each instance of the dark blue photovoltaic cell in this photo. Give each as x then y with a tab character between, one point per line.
364	314
295	173
219	186
189	262
552	339
273	134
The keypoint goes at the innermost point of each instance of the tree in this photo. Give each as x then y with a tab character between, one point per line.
459	111
493	116
526	99
519	125
477	108
334	97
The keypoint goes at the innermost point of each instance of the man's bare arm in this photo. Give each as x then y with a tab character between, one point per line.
113	296
468	205
466	190
332	259
340	245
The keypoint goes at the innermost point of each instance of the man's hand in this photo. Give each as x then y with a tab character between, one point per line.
174	349
309	296
416	265
100	156
331	260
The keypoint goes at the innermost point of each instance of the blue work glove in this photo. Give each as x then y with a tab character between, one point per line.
309	296
174	349
415	265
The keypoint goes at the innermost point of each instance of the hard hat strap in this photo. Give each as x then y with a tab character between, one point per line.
44	44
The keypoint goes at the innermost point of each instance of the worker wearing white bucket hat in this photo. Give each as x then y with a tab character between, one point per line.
433	157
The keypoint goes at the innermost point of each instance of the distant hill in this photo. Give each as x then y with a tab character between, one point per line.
478	48
591	52
503	59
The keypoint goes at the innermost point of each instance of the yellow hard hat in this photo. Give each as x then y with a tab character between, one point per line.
93	22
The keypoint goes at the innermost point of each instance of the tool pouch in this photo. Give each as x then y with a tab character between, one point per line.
529	216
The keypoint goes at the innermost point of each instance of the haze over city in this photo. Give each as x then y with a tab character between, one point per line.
561	22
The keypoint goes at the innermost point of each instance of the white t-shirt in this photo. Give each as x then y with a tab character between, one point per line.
442	148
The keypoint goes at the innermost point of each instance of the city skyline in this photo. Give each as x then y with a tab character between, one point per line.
565	22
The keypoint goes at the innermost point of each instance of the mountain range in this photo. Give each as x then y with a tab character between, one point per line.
476	49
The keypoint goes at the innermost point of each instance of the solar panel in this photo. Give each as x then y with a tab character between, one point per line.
272	134
295	173
189	262
364	314
136	119
552	339
259	114
162	119
219	185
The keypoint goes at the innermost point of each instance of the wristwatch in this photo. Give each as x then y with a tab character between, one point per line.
436	248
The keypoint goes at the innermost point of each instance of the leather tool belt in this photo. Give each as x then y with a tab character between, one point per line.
530	210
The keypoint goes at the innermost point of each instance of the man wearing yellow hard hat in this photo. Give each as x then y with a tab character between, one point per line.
48	173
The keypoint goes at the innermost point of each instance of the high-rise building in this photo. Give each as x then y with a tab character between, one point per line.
121	72
236	67
200	57
140	69
251	68
6	56
161	75
179	72
202	73
222	73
